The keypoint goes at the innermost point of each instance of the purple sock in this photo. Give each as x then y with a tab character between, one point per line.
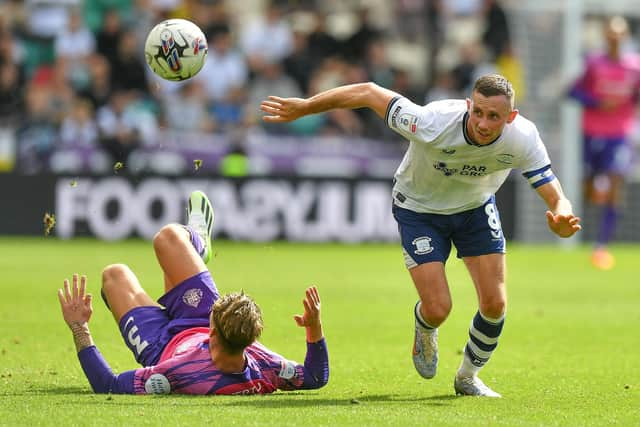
607	225
196	240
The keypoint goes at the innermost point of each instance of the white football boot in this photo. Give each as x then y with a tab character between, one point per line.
200	218
472	386
425	348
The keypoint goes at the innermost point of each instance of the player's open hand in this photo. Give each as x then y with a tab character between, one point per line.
311	316
75	302
563	225
281	110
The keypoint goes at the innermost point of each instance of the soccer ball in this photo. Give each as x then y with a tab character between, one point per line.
175	49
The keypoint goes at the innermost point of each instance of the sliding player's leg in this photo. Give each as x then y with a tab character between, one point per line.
140	319
189	288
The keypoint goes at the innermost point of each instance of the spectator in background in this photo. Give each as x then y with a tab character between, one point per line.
224	78
443	87
268	39
79	126
496	35
270	78
124	126
128	70
321	43
108	37
188	112
99	88
11	80
76	42
75	149
608	90
355	46
73	47
472	64
379	69
301	63
435	35
46	19
37	135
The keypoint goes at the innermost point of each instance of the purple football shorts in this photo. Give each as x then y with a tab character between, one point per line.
147	330
606	155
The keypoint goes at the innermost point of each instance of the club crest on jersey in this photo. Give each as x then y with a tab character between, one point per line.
409	122
423	245
192	297
505	158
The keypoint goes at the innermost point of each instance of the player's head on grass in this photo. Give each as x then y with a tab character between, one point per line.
491	107
236	321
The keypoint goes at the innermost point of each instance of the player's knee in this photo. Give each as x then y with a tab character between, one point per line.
493	308
112	276
436	311
168	235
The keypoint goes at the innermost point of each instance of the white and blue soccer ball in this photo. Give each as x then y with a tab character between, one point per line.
176	49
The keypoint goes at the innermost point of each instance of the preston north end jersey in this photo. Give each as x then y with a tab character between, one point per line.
444	172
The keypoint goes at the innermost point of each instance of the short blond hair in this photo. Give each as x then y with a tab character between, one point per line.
238	321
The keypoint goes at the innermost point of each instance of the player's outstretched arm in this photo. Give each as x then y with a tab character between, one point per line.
359	95
316	362
310	319
560	217
76	311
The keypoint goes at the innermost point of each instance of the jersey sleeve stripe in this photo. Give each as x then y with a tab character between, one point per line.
535	172
540	176
393	101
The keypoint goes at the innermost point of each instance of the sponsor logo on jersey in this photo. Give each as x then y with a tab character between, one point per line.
157	384
287	369
442	166
192	297
505	158
473	170
409	122
423	245
467	170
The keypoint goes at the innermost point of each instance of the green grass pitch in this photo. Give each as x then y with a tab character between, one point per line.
569	353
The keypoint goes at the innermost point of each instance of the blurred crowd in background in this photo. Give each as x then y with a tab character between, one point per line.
72	72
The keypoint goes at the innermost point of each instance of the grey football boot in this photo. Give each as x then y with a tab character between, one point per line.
425	348
473	386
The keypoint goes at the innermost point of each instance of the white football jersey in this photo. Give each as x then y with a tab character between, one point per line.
444	172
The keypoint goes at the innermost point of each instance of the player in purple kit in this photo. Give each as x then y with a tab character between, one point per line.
192	341
608	91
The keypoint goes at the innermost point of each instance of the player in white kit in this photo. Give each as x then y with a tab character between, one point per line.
460	153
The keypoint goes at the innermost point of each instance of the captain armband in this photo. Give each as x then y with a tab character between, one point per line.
540	176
